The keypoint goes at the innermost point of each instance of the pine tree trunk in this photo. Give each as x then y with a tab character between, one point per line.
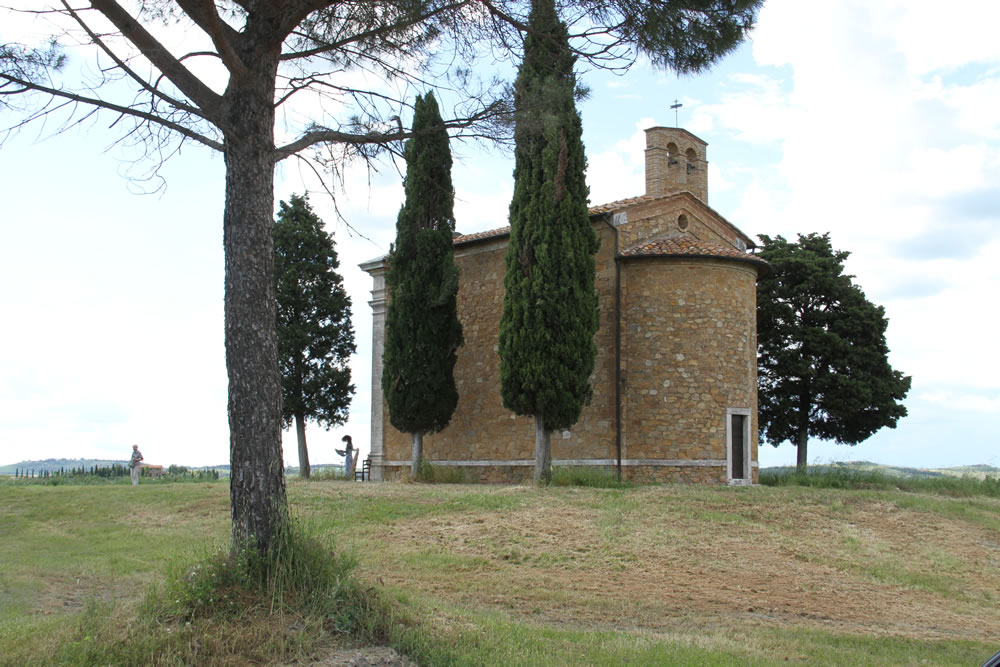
543	452
257	486
418	453
300	433
800	462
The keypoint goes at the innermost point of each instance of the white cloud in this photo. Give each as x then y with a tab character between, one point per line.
617	172
755	111
936	37
988	405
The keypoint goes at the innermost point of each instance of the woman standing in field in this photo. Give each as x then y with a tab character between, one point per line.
348	453
134	464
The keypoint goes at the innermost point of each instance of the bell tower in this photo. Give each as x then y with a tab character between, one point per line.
676	160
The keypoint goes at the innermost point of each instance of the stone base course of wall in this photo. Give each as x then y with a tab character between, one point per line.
640	474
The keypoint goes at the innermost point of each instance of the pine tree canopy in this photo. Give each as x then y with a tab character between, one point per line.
423	333
823	367
315	336
547	347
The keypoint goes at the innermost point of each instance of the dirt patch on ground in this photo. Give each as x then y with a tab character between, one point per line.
368	656
648	559
59	594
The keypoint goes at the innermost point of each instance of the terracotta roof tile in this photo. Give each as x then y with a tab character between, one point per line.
687	246
623	203
608	208
479	236
593	210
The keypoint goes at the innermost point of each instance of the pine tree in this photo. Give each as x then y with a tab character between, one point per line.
823	367
315	336
550	316
423	334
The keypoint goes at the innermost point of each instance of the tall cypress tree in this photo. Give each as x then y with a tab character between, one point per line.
550	313
422	332
315	336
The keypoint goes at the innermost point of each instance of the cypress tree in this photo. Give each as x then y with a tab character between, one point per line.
315	336
422	333
550	312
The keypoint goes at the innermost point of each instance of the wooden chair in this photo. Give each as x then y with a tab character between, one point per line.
365	474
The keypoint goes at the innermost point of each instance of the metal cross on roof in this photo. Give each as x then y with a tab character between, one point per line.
675	106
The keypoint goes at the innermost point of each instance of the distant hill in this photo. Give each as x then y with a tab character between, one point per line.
979	471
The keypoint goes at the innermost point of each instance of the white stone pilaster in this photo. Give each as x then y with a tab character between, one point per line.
377	268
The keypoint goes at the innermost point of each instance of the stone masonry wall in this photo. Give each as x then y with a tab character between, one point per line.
659	217
675	474
669	151
691	352
481	428
688	354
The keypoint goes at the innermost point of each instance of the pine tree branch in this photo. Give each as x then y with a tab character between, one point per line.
379	30
323	135
132	74
162	59
104	104
206	16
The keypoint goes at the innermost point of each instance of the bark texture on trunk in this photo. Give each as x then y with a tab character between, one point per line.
543	451
805	402
300	434
257	485
417	452
800	455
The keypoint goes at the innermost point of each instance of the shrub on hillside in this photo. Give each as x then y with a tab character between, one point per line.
835	477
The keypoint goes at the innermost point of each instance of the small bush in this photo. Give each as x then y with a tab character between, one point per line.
432	474
828	478
589	476
237	609
327	474
838	477
301	575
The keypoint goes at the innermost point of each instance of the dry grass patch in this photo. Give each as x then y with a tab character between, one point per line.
655	558
523	575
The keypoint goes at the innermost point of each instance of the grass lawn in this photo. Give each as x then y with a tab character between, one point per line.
519	575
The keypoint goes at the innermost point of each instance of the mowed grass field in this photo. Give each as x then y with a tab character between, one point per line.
521	575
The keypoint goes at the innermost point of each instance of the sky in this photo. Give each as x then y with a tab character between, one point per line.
873	120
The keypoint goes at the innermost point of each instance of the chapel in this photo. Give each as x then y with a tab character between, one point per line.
675	379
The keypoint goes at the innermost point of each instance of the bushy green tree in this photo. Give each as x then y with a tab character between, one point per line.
315	336
547	348
823	367
422	331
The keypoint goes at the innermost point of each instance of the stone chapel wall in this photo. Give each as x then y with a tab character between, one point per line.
688	353
488	441
690	349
